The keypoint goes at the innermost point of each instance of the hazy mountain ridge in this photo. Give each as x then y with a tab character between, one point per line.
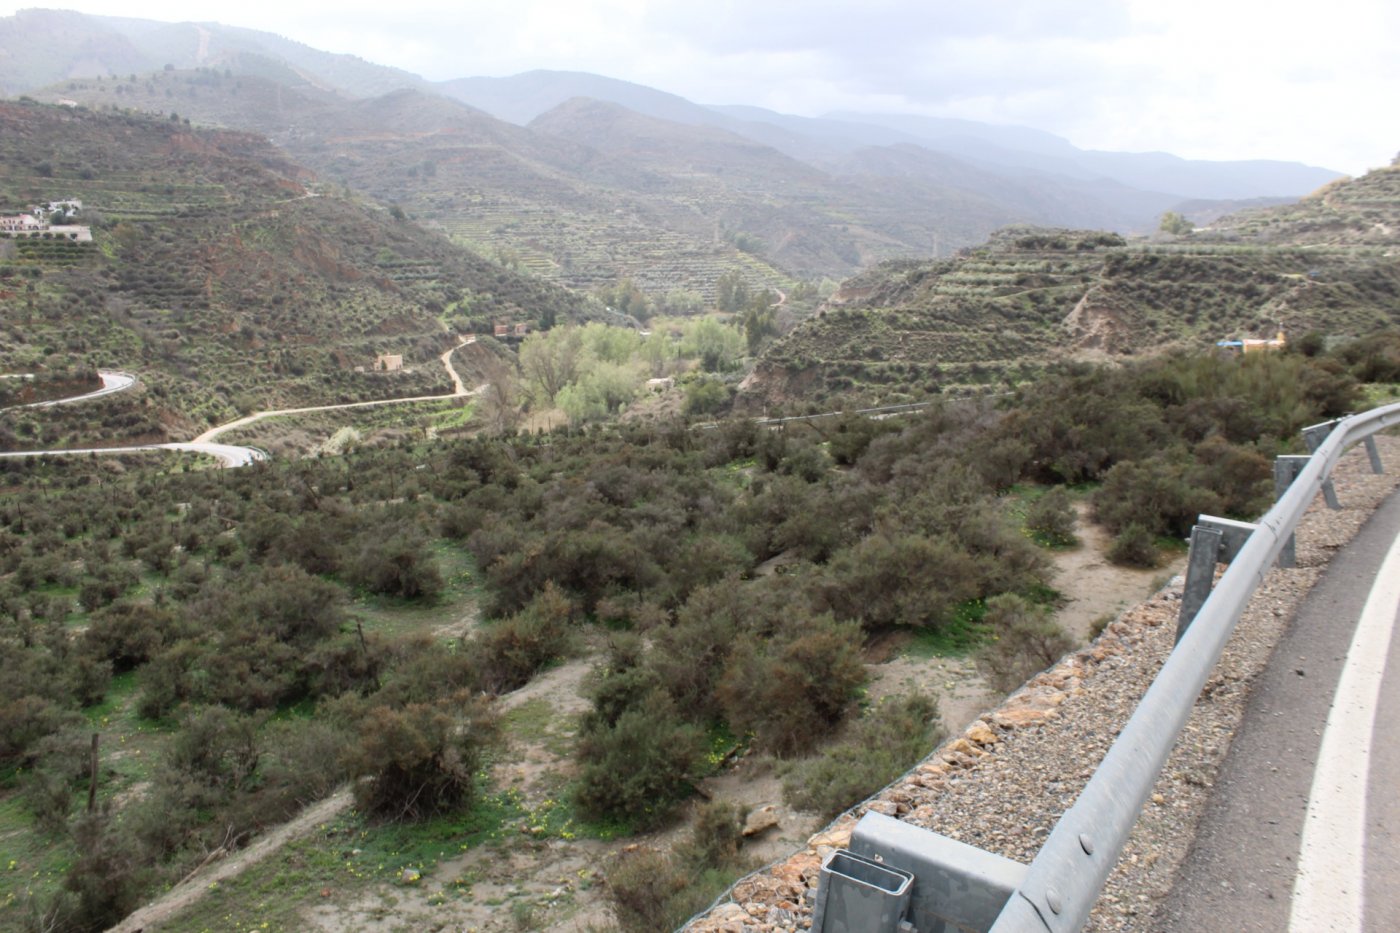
580	207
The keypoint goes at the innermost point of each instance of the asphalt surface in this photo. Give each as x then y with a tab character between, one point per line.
1242	873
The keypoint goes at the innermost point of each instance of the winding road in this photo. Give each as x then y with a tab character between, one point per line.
229	455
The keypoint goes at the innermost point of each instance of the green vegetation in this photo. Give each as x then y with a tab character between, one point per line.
224	279
997	315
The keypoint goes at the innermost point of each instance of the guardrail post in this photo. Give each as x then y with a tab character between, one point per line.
1313	437
1200	575
1286	470
955	886
1213	540
1374	453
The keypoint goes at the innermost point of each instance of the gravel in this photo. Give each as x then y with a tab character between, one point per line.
1003	783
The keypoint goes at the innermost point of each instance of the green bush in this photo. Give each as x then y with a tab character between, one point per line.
1024	642
420	760
793	689
877	748
637	755
507	654
1134	547
1051	518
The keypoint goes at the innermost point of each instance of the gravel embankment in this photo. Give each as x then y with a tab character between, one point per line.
1003	783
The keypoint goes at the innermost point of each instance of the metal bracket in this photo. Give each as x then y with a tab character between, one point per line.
857	894
1213	540
957	887
1314	436
1286	470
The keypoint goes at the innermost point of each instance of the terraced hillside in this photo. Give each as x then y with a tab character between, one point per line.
1365	210
1029	298
545	204
223	275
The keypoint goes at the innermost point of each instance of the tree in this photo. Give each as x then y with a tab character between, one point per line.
716	346
550	360
1175	224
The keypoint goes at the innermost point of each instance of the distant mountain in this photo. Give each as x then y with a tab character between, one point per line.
521	98
587	179
40	47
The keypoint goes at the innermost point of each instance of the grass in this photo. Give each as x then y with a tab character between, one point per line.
963	634
536	721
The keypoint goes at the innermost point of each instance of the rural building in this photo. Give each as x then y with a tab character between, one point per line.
388	363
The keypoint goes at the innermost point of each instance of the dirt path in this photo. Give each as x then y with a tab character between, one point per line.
194	887
1094	588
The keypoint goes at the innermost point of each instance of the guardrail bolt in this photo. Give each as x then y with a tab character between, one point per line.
1086	843
1052	897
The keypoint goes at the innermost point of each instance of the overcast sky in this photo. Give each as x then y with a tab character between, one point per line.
1218	79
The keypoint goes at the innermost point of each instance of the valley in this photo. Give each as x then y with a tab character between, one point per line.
566	577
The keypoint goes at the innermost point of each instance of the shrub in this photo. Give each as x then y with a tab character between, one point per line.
505	656
885	742
1157	494
1051	518
1134	547
1024	642
637	756
792	690
646	890
421	760
401	566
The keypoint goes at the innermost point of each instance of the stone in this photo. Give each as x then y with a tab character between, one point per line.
982	734
761	820
838	837
1020	718
410	876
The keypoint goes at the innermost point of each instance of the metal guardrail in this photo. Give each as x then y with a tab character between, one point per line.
1056	892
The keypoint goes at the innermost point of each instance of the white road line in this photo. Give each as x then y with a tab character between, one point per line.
1328	890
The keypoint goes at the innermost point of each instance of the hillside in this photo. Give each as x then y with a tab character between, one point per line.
611	180
1029	298
1362	211
222	273
45	46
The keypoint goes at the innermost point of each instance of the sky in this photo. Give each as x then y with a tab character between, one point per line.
1212	79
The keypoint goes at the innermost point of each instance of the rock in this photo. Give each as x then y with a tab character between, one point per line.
883	807
982	734
410	876
1020	717
760	820
838	837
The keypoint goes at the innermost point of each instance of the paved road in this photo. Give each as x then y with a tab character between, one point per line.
227	454
1303	833
112	381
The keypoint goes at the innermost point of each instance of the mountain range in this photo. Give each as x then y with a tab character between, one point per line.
589	180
